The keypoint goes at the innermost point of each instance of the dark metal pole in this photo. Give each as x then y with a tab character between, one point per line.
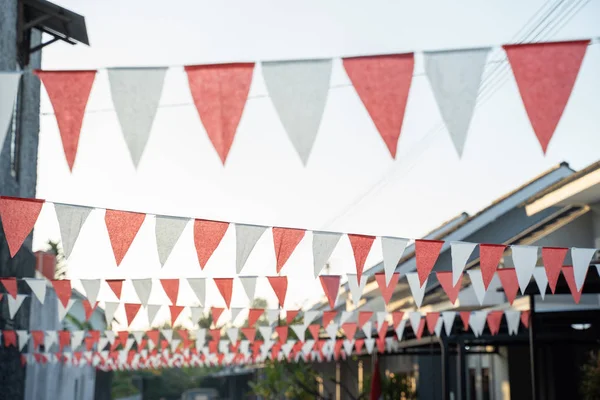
445	369
461	370
532	347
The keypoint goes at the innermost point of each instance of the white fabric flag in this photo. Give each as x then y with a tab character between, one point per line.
298	90
175	344
198	286
70	221
348	347
438	327
307	347
273	316
415	320
200	337
9	87
392	249
38	288
418	291
287	348
460	252
245	347
331	330
138	336
541	279
581	262
167	231
232	334
391	344
299	330
309	317
50	338
367	329
524	259
92	288
370	345
345	316
77	339
152	311
477	284
266	332
14	304
356	290
136	93
23	337
109	311
129	344
168	334
235	311
381	317
246	237
448	317
102	343
249	285
142	287
455	77
110	335
513	318
477	321
323	244
197	313
400	328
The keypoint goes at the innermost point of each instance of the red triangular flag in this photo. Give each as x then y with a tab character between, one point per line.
510	284
18	218
88	308
363	317
314	331
122	228
64	339
253	315
545	74
380	341
285	241
10	338
493	320
38	339
282	332
331	287
361	245
220	92
131	311
432	319
426	253
446	281
175	311
207	236
525	318
569	275
171	288
116	285
553	258
279	285
421	328
250	333
489	258
63	291
383	83
387	290
10	284
68	92
350	329
358	345
290	315
183	334
465	316
328	316
123	336
382	330
225	286
215	334
216	314
337	349
397	317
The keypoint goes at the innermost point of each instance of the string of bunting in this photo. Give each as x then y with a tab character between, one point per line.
545	74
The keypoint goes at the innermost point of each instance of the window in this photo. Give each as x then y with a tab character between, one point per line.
15	133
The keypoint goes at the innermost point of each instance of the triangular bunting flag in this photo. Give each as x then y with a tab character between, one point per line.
10	284
68	92
273	316
314	331
392	249
309	317
232	334
387	290
88	308
383	83
348	347
508	278
448	317
290	315
400	329
279	285
356	290
553	258
63	290
432	319
175	312
131	311
581	263
198	286
361	245
122	227
477	284
152	310
489	258
18	218
541	280
397	316
524	259
323	245
246	237
370	345
451	290
328	316
415	320
70	221
142	288
23	338
167	231
298	90
109	311
285	241
477	321
216	314
363	317
207	237
331	287
525	316
9	82
367	329
266	332
249	285
512	321
350	330
299	330
331	330
62	309
460	252
14	303
235	311
426	253
116	285
417	290
569	275
282	333
171	288
345	316
225	286
196	313
465	316
494	318
249	333
253	315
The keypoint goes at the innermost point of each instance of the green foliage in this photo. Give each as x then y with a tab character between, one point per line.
61	265
590	382
393	387
286	381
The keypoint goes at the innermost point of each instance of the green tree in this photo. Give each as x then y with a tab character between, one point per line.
590	382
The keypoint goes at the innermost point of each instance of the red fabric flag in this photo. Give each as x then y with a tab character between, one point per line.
10	338
361	246
380	341
331	287
279	285
421	328
432	319
426	253
387	290
383	83
220	92
489	258
171	288
358	345
290	315
88	309
175	311
553	258
10	284
216	314
253	315
525	318
282	332
207	237
446	281
38	339
68	92
465	316
545	74
250	333
215	334
376	393
116	285
123	336
510	284
397	317
225	286
328	316
349	329
494	318
63	291
122	227
131	311
314	331
64	339
363	317
382	330
569	275
285	241
18	218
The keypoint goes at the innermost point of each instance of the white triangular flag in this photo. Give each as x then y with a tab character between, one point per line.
400	328
246	237
109	311
138	336
367	329
391	344
392	249
356	290
348	347
23	337
299	330
331	330
142	287
273	316
455	77
14	304
70	221
200	337
438	327
175	344
415	320
245	347
307	347
198	286
102	343
524	258
77	339
235	311
92	288
136	93
323	245
62	310
381	317
460	251
110	335
287	348
266	332
9	87
298	90
249	285
477	284
232	334
448	317
541	279
129	344
167	231
309	317
197	313
168	334
50	338
581	262
38	287
345	316
152	310
417	291
513	318
370	345
477	321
